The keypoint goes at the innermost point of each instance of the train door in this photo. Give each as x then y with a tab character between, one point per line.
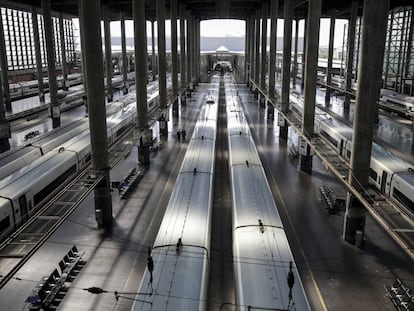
23	208
384	181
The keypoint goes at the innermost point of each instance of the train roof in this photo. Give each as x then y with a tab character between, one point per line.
261	269
388	159
407	177
55	163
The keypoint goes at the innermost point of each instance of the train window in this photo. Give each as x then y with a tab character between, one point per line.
348	154
4	224
328	137
403	199
38	197
121	130
373	174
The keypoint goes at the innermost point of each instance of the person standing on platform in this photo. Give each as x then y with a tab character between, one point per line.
179	135
183	134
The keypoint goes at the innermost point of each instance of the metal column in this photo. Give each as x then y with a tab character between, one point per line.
4	67
312	49
174	56
38	54
350	54
63	52
153	54
252	50
51	66
264	49
374	25
330	56
305	27
108	52
274	5
183	69
5	133
287	58
162	83
189	53
295	55
124	55
246	50
97	110
257	50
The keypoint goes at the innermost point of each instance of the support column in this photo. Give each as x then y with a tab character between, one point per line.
154	66
305	27
39	66
51	66
330	56
350	54
252	50
295	55
189	52
124	55
246	51
312	49
5	133
97	117
108	53
193	51
174	56
162	79
141	73
257	50
63	51
274	5
388	49
198	59
264	48
374	25
4	68
287	57
183	69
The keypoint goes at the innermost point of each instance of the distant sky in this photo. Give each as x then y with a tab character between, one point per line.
223	28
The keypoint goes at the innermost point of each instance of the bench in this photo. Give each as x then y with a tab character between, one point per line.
401	295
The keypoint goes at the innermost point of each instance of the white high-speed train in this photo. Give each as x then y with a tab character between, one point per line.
390	175
266	277
177	276
23	191
16	158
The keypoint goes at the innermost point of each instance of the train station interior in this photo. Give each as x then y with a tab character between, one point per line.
211	155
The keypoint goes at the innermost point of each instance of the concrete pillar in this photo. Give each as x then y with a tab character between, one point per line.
264	47
252	49
257	49
83	62
246	51
189	52
350	54
274	5
124	54
198	59
305	27
287	56
374	26
39	66
312	48
330	57
183	67
4	68
295	55
63	51
154	65
5	133
51	66
174	71
108	52
91	21
162	72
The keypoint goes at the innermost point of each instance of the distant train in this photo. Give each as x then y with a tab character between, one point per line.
405	102
178	271
34	174
390	175
16	158
266	276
